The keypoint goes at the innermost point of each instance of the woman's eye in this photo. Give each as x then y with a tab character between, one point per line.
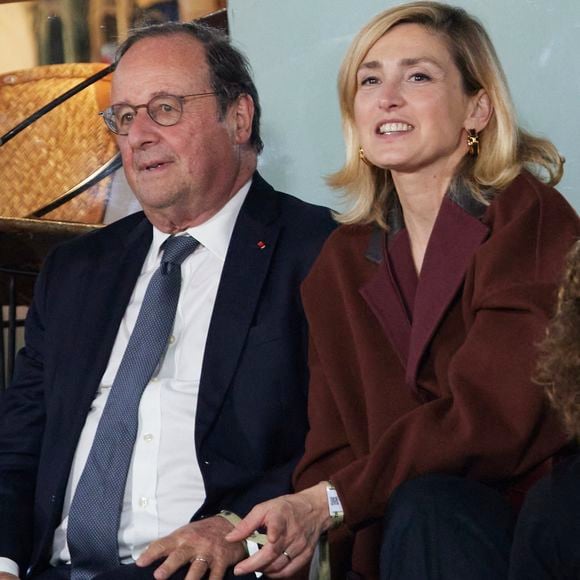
418	77
369	81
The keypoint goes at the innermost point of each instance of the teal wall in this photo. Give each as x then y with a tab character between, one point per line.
296	46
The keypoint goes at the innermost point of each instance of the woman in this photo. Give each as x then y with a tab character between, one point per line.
424	309
548	529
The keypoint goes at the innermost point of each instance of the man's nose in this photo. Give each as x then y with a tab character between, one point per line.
143	129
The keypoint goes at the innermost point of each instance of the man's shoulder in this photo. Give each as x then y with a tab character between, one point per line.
106	236
120	228
293	206
290	209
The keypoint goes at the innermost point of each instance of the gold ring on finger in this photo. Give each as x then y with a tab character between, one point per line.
200	559
285	553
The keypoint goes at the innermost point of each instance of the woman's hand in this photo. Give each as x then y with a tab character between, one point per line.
293	523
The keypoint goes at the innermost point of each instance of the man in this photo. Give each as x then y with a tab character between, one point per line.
233	364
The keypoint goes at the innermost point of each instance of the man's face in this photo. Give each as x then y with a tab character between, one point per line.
184	173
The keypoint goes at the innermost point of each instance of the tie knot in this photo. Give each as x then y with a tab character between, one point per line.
177	248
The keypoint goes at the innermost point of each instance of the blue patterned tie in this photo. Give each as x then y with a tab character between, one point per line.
93	523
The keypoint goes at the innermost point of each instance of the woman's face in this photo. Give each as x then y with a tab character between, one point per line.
410	109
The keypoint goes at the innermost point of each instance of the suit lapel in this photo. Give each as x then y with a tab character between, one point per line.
247	262
103	297
456	236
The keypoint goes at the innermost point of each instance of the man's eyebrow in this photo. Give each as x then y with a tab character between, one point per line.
160	93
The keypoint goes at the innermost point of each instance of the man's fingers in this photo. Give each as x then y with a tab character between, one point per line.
198	568
198	545
176	559
217	572
154	551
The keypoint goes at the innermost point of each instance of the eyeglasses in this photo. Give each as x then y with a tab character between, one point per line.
165	110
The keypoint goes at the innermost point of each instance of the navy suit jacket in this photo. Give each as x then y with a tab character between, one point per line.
251	416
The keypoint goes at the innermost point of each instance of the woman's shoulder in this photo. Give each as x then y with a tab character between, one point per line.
531	228
526	194
534	215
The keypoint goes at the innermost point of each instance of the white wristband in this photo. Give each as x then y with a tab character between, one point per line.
334	505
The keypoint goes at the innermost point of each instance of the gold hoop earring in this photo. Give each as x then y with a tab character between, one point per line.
473	142
362	157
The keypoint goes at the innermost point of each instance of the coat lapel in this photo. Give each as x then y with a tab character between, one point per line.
382	296
456	236
247	262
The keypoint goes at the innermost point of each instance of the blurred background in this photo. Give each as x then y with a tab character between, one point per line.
59	31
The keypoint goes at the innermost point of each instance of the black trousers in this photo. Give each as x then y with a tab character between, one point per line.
125	572
440	527
547	537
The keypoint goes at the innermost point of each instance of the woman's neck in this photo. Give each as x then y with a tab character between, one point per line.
420	200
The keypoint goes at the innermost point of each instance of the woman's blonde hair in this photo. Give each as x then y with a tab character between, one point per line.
559	363
505	148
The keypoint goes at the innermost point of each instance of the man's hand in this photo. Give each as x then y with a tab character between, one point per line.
7	576
201	544
294	524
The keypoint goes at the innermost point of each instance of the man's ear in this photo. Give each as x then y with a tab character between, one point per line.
481	111
242	115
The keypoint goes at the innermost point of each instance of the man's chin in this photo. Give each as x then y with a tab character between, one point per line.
156	198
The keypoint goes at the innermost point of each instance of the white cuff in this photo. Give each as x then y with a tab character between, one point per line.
9	566
252	549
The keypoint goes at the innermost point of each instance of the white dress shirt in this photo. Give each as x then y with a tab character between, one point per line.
164	485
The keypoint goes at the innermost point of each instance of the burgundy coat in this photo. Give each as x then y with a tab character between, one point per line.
450	392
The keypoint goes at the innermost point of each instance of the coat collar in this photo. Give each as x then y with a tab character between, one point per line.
442	275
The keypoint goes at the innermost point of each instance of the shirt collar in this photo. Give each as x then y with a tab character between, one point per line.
213	234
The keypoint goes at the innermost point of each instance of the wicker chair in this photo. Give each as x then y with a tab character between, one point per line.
60	149
43	163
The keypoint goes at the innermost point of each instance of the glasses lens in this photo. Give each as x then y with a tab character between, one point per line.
165	109
119	118
109	119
